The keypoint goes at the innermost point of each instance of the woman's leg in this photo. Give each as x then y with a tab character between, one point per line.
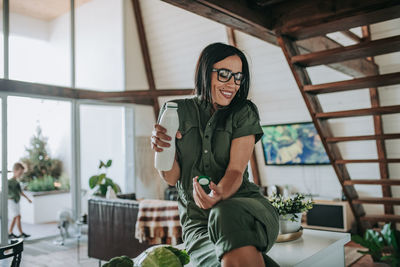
240	227
204	253
247	256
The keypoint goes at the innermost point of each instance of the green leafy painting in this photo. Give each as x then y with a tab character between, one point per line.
290	144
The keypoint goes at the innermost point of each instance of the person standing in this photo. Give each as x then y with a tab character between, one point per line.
14	196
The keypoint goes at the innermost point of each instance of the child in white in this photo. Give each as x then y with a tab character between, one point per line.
14	196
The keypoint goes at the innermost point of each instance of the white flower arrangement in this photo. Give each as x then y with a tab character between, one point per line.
291	205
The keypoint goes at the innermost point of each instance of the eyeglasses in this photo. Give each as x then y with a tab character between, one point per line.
224	75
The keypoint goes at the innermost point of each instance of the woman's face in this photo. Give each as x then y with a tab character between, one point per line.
223	92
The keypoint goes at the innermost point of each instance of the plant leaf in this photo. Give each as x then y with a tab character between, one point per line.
93	181
116	188
108	182
103	189
363	242
109	162
101	178
101	164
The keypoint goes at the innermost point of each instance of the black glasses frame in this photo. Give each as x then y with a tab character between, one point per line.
230	74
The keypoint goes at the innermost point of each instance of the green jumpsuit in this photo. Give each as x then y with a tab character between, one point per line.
247	217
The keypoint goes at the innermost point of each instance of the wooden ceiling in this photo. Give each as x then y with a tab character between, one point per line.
299	19
42	9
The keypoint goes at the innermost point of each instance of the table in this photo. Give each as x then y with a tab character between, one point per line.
314	249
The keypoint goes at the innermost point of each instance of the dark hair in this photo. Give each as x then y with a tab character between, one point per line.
210	55
18	166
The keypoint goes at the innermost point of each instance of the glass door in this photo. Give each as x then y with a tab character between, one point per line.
39	142
106	149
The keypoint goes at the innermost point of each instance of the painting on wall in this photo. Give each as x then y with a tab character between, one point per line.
293	144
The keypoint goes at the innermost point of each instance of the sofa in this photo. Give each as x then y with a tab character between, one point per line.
111	228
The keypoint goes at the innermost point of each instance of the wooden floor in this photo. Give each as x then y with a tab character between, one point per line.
363	261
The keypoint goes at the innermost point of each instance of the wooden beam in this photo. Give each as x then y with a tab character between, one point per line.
352	36
232	13
359	112
381	218
309	18
362	138
240	17
378	128
382	200
145	54
362	50
266	3
138	96
355	68
372	182
231	36
134	93
36	89
43	90
140	101
359	83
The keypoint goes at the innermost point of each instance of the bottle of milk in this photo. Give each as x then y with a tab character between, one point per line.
170	121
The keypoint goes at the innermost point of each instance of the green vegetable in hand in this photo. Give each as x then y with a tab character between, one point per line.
122	261
162	255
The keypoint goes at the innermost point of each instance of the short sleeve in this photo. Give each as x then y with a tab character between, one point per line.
247	122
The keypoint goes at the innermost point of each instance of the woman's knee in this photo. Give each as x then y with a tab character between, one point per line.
247	255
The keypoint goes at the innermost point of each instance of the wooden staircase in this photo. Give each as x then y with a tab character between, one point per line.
365	48
300	28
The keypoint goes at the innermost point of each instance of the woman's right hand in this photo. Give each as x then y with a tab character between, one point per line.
160	139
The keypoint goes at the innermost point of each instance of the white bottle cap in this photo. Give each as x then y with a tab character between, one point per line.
172	105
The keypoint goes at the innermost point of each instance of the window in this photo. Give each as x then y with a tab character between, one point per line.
39	42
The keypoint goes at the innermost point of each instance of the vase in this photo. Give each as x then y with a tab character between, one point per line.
286	225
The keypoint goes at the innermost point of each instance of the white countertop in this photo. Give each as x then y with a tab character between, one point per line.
309	248
314	248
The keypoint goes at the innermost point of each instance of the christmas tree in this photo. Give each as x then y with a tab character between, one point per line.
39	164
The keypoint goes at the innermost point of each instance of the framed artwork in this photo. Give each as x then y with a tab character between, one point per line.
293	144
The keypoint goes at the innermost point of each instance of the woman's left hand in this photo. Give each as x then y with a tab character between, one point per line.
201	198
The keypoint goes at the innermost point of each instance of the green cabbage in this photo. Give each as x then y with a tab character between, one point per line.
160	256
122	261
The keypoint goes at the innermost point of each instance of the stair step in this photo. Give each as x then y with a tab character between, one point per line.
361	50
359	112
381	200
360	83
381	218
345	161
373	182
362	138
345	21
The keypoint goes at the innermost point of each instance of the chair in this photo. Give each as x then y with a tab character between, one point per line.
13	250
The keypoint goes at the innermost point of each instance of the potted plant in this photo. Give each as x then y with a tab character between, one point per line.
43	173
290	211
383	245
101	182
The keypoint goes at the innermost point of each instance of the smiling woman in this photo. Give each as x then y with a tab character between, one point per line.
234	223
